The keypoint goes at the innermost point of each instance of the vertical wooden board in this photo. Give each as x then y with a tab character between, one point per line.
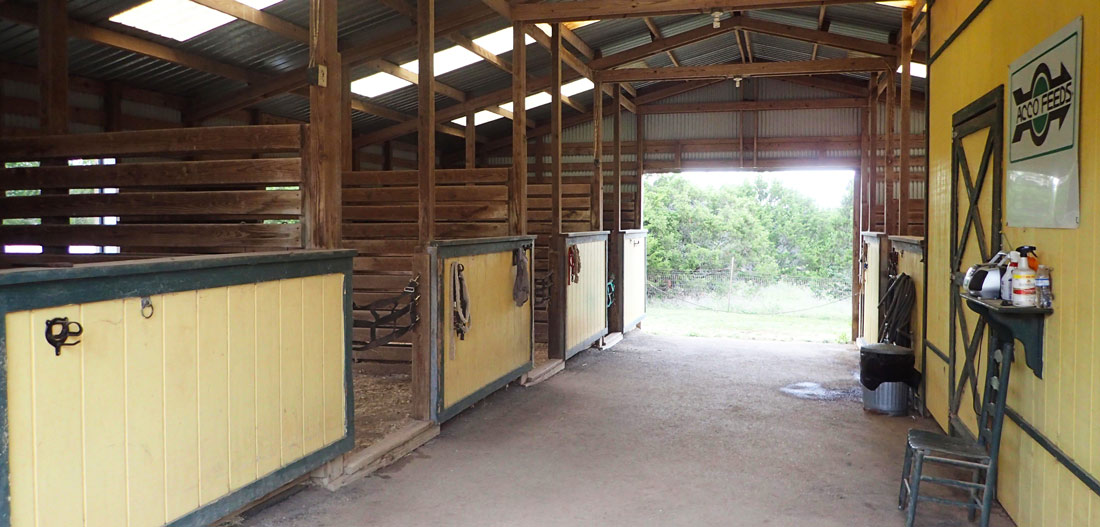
290	378
242	385
313	376
334	394
179	311
104	414
57	424
268	393
213	328
145	414
21	462
268	390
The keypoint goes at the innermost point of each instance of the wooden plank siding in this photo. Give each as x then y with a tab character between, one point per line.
149	207
380	221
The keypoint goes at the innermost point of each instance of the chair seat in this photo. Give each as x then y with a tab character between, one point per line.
956	446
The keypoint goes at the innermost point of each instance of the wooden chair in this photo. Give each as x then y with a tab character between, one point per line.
979	456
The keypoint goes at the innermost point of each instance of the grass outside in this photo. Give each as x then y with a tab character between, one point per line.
780	312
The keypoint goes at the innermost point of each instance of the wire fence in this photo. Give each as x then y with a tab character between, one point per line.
751	294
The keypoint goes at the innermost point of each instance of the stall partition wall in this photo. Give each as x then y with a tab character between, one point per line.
631	280
576	204
873	262
1049	463
198	385
910	250
152	202
498	346
584	319
380	221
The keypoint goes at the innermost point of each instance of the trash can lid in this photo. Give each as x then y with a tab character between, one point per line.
883	348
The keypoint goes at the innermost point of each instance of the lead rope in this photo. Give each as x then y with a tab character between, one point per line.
460	297
573	260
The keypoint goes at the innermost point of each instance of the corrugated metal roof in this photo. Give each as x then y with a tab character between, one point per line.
250	47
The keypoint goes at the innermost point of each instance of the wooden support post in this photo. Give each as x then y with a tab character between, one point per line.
112	107
345	124
471	140
639	143
387	155
890	215
873	157
906	116
321	208
557	245
597	157
517	203
422	345
53	83
617	167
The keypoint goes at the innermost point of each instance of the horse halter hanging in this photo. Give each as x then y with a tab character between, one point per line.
460	299
573	263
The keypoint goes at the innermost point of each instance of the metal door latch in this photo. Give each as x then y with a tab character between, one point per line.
58	331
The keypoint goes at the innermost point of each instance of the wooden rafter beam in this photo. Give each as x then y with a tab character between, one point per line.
386	66
259	18
502	7
638	53
820	27
814	36
737	106
655	32
29	16
352	55
599	9
473	47
760	69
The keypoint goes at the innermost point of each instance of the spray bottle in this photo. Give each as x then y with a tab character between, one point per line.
1006	277
1024	292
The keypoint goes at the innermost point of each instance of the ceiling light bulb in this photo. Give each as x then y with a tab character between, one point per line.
737	82
717	16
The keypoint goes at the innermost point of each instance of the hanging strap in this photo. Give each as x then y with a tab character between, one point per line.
385	317
573	260
521	290
461	301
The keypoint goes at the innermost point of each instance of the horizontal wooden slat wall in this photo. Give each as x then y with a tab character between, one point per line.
156	200
380	221
576	204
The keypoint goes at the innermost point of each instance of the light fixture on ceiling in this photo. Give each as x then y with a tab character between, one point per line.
737	82
716	16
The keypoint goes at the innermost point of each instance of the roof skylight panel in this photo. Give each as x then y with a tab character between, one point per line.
179	19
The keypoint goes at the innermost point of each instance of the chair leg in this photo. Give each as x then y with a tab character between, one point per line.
914	488
972	512
906	465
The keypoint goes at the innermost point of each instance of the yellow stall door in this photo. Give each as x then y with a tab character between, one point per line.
149	418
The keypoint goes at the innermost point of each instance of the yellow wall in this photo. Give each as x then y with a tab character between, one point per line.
1034	487
147	419
871	289
586	301
633	281
499	339
911	263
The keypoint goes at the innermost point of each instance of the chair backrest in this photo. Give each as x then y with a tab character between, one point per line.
995	397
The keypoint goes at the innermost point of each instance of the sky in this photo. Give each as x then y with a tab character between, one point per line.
826	187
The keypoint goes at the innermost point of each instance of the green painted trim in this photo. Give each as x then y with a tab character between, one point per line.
481	246
585	237
98	282
937	351
456	408
958	31
1044	154
481	241
585	344
1089	480
164	265
217	510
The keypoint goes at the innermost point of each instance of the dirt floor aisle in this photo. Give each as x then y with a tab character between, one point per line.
658	431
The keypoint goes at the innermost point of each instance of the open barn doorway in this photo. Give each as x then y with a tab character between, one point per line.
750	255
